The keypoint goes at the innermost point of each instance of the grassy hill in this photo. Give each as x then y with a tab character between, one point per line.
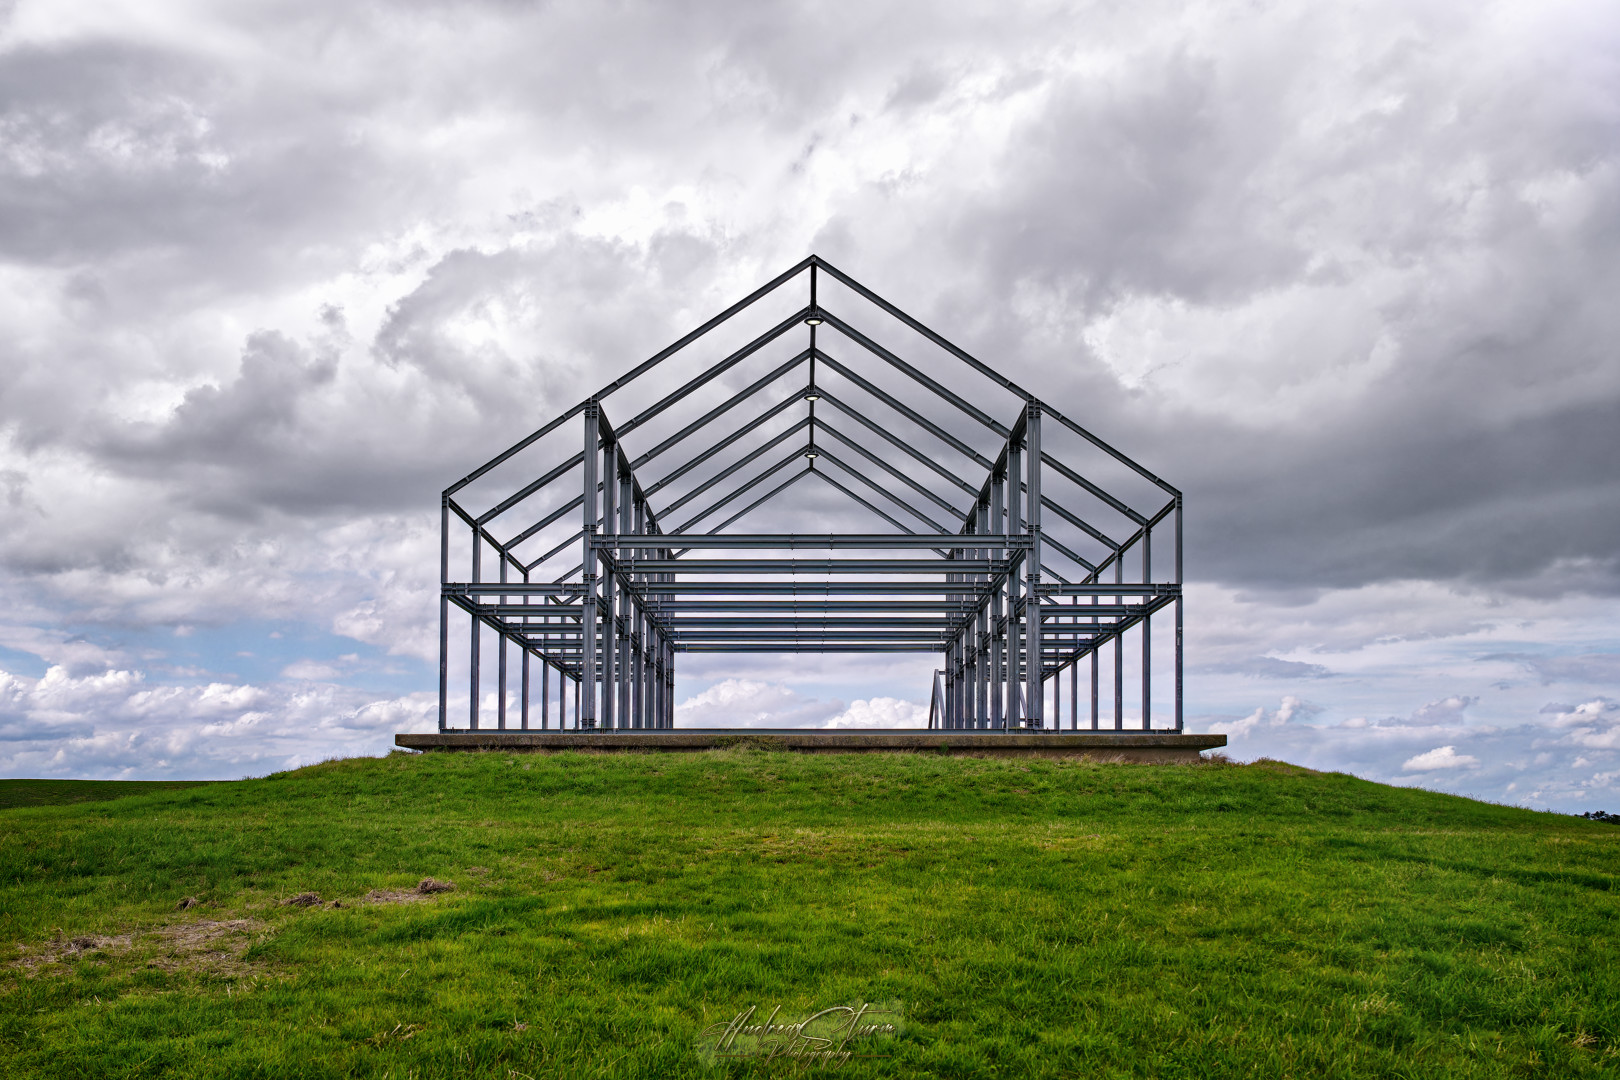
1025	919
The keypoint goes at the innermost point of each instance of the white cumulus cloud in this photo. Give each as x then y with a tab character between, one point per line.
881	712
1441	757
749	703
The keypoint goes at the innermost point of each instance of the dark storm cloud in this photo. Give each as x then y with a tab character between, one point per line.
1486	450
1417	490
304	427
1187	173
114	149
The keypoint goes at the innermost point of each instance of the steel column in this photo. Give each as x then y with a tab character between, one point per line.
1032	437
585	704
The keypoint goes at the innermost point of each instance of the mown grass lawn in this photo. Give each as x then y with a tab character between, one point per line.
1031	918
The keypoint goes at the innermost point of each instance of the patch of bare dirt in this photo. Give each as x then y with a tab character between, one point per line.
425	888
391	896
213	946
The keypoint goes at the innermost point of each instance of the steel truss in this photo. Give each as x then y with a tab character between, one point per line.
1010	578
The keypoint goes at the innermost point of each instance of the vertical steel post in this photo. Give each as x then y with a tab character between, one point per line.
610	639
1074	696
660	719
477	633
638	704
958	654
585	704
526	651
444	611
1015	526
1119	647
639	638
660	707
500	657
1147	632
948	706
1094	648
981	638
626	620
649	667
1178	612
1032	599
997	635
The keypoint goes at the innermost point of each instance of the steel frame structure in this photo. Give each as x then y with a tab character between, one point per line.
990	577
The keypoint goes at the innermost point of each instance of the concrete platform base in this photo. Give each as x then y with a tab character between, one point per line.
1150	747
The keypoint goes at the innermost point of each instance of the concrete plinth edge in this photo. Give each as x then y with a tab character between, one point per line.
1146	747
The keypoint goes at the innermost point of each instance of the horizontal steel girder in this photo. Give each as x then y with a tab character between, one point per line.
813	621
814	588
950	608
1105	589
810	646
948	612
810	566
791	541
789	639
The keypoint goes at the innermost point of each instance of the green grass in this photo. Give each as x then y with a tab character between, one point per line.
62	792
1031	919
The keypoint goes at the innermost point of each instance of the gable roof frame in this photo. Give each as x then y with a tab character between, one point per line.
1007	623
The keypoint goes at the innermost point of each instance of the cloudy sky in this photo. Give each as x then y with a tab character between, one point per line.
273	274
